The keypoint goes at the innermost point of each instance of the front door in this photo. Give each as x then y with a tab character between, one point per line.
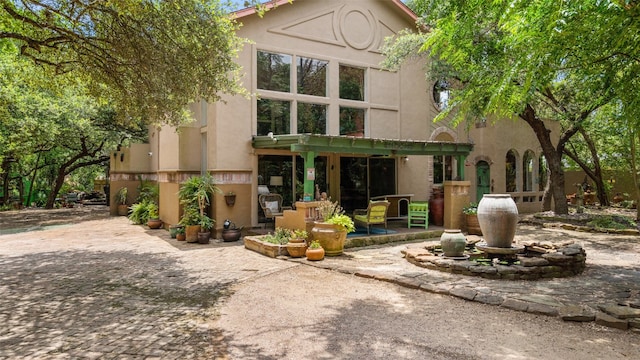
483	180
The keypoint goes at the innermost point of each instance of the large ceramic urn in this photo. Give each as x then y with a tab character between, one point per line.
331	237
498	218
453	243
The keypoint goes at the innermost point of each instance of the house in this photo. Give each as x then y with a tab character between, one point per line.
327	118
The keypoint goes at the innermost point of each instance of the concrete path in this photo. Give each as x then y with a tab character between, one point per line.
106	289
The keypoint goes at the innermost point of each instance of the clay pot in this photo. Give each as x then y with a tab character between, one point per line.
453	243
296	250
473	226
154	223
436	207
181	237
192	233
330	236
498	218
203	237
315	254
173	230
123	210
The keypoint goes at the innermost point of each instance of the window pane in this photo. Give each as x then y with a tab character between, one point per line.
351	83
527	168
274	71
312	118
312	77
441	94
273	116
511	171
352	122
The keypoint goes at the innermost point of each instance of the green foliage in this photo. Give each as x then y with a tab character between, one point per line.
315	244
121	196
139	213
344	221
300	234
148	191
327	209
612	222
206	223
151	58
195	195
471	209
190	216
152	210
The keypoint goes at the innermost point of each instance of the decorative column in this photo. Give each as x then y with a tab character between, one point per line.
456	196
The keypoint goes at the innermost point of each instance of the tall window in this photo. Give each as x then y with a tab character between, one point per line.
543	173
312	118
441	94
273	116
352	121
274	71
510	171
527	171
351	83
312	77
442	169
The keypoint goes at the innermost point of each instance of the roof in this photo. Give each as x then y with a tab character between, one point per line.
275	3
353	145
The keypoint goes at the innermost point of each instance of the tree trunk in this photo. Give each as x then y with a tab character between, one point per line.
554	159
6	170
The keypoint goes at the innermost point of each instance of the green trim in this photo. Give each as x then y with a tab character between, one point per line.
349	145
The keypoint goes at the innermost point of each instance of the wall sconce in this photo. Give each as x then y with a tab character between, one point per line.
405	159
122	157
150	153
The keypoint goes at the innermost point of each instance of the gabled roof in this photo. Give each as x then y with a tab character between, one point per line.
275	3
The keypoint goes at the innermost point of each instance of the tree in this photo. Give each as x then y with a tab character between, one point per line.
534	61
149	58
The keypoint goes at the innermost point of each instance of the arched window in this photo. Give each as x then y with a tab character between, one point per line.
441	94
543	172
510	171
527	171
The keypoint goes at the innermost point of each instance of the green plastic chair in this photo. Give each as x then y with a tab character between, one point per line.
418	211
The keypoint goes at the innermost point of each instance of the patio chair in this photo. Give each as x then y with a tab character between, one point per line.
271	205
418	210
375	214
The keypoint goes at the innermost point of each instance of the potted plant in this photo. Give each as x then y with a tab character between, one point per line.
331	231
230	198
153	221
121	201
297	246
471	214
206	224
195	195
181	234
139	213
315	251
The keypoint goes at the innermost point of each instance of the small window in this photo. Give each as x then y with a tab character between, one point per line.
312	77
543	173
351	83
352	122
274	71
527	171
273	116
510	171
441	94
312	118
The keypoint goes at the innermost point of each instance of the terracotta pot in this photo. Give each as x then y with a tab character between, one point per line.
203	237
296	250
181	237
498	218
154	223
453	243
473	226
315	254
436	207
230	200
330	236
173	230
123	210
192	233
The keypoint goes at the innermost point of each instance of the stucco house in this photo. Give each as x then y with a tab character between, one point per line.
326	117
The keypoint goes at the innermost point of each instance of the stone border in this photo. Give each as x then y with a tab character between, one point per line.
539	261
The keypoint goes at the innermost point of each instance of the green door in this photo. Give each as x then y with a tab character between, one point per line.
483	180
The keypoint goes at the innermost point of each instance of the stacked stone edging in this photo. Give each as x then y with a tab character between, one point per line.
539	260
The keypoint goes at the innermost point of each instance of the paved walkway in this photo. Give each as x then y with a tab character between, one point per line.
110	290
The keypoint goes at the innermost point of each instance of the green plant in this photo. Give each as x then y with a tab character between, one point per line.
471	209
195	193
148	191
300	234
344	221
315	244
206	223
139	213
121	196
181	230
280	236
190	216
152	210
327	209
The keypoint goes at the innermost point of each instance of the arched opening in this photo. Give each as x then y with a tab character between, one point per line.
527	171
